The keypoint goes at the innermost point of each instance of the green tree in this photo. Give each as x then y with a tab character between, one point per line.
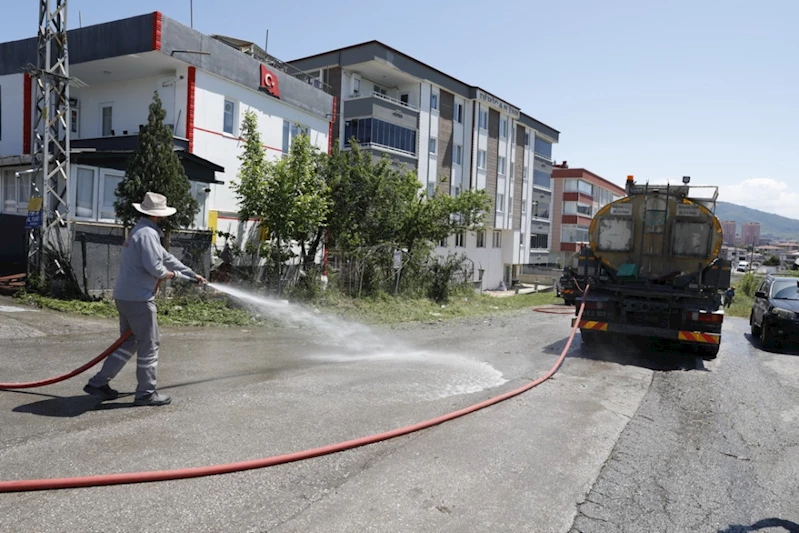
288	196
154	166
772	261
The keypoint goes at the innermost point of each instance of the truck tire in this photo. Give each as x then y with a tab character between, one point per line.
709	352
754	327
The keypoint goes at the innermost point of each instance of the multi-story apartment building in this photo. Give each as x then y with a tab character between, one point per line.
750	233
456	137
577	195
206	83
729	229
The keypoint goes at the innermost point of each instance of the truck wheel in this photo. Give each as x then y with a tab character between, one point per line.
709	352
755	328
767	339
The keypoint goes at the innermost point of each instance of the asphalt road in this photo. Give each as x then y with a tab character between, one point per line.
607	445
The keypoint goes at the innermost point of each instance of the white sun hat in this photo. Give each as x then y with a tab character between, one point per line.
154	204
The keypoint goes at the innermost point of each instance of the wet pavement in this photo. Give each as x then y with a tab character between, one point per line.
522	465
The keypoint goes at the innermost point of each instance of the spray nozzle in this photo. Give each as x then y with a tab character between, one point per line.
183	277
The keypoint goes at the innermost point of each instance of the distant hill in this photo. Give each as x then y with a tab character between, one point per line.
771	225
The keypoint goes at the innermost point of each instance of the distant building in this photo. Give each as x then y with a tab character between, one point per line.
729	228
750	233
577	195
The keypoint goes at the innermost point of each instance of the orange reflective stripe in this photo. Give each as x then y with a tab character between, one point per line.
594	325
697	336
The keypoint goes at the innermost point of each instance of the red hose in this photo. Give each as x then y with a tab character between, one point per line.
79	370
201	471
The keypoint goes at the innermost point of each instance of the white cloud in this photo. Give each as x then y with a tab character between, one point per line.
765	194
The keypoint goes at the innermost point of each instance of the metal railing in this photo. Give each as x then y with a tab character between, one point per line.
391	99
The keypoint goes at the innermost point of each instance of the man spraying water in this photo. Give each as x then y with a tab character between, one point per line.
142	263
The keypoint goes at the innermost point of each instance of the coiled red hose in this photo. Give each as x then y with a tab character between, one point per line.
202	471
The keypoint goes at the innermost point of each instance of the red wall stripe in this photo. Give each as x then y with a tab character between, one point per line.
190	108
333	120
226	136
157	30
26	115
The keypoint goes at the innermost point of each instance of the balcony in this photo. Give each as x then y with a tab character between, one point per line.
382	107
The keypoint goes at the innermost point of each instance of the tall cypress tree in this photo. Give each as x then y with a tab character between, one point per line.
155	167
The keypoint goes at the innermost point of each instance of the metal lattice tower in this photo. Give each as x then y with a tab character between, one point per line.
49	247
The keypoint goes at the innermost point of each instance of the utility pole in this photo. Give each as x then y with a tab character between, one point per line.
49	244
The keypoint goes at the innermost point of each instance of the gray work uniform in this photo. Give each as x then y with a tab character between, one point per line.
142	263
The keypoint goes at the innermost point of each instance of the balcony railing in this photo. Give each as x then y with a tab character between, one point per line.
384	147
391	99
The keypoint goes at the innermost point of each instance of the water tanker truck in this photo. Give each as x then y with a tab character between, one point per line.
654	268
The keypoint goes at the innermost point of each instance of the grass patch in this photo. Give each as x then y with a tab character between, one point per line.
389	310
741	306
183	310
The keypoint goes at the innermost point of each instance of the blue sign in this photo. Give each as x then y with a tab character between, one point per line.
34	219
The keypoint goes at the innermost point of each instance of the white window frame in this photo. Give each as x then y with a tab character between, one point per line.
496	241
457	154
526	138
432	146
482	158
503	128
74	193
103	174
459	239
431	189
525	171
294	130
501	165
100	107
500	202
15	207
233	121
356	86
457	113
483	119
481	238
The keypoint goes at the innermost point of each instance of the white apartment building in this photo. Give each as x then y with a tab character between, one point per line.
456	137
206	84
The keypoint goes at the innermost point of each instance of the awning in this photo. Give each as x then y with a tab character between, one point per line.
197	168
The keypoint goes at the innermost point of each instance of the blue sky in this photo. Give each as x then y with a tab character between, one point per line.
706	88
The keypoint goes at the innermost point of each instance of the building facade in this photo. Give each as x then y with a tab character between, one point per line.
750	233
205	83
577	196
456	137
729	229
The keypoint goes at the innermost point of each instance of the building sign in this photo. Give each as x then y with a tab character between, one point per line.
499	104
269	82
34	219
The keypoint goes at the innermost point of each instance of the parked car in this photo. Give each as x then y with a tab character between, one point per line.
775	311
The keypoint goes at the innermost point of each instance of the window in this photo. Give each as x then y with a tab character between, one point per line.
575	185
541	178
291	131
543	148
500	202
481	159
459	239
84	193
497	239
503	128
356	85
524	173
573	233
483	120
380	90
481	239
433	142
433	101
526	138
577	208
431	188
15	192
404	98
524	207
539	241
457	113
74	114
227	125
108	186
375	131
107	120
512	169
501	164
443	242
457	154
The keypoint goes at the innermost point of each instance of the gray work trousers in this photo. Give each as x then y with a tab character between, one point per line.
140	317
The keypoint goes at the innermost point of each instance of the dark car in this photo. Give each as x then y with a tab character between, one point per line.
775	311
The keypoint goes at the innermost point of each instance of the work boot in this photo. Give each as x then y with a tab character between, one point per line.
155	399
104	393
